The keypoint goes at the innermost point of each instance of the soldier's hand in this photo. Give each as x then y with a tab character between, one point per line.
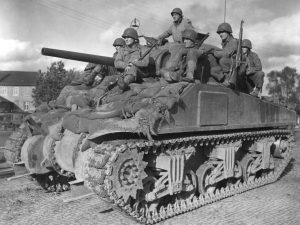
128	67
133	62
249	72
98	79
160	41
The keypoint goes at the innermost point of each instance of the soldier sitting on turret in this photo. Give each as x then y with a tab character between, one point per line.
252	68
129	59
185	72
179	25
229	48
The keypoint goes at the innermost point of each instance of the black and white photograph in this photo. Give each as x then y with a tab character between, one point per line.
149	112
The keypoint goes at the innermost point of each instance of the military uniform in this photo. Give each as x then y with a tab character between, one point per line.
177	27
176	30
132	55
90	85
192	57
225	56
185	72
252	68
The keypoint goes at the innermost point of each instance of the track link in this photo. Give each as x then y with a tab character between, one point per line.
13	145
98	171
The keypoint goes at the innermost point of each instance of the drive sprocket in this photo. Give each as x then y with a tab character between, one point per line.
127	173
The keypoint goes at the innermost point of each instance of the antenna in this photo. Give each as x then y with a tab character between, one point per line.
224	11
135	23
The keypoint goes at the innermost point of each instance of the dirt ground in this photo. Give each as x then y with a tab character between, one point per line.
22	202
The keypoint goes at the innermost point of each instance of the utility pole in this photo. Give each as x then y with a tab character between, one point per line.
224	11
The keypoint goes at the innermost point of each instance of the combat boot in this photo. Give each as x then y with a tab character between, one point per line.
189	77
227	84
124	83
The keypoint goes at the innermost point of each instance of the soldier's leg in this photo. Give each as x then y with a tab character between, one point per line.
191	65
171	76
64	94
107	84
217	74
129	77
243	82
215	69
225	64
258	80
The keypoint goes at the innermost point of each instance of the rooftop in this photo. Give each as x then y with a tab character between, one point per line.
18	78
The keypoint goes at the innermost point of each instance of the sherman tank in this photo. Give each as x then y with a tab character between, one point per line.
160	149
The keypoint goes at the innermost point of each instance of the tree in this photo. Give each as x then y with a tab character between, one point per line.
284	85
50	84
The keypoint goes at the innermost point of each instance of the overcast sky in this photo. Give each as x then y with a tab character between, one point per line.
90	26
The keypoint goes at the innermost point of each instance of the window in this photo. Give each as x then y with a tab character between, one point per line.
16	91
26	106
3	91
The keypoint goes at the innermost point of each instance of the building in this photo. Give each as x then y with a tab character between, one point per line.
11	116
17	86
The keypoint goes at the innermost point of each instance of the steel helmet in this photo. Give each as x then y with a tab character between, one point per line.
119	42
130	32
224	27
246	43
189	34
177	10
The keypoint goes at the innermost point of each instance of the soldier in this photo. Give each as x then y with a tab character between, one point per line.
129	59
105	70
189	37
179	25
94	73
88	87
192	52
252	68
118	43
229	48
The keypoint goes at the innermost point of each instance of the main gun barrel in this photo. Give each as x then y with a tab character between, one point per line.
90	58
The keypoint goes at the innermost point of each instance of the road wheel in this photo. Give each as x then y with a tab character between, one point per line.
204	174
247	164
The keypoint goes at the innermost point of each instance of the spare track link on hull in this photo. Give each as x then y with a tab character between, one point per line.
98	172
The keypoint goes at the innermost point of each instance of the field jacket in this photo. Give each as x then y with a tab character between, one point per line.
253	63
132	55
176	30
229	48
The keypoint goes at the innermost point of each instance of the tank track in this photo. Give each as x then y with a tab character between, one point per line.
52	181
13	145
98	171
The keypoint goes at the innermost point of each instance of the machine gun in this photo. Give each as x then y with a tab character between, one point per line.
238	59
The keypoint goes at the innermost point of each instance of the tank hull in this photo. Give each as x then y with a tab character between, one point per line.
211	108
216	143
